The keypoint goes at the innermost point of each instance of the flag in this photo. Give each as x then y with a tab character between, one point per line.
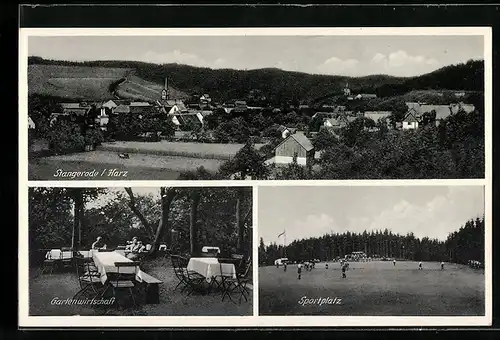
283	233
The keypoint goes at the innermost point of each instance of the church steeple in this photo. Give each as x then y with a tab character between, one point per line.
164	92
347	90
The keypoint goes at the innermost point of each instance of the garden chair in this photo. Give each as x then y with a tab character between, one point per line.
66	260
238	284
88	277
124	281
178	271
50	262
194	281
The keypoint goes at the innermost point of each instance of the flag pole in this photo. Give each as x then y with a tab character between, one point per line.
284	243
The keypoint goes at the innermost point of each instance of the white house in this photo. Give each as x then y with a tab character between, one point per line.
410	121
331	123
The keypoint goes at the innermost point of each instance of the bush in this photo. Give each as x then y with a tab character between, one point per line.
64	137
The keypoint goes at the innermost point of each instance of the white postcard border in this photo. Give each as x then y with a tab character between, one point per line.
255	320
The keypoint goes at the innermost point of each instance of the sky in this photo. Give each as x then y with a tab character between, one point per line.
304	212
112	193
331	55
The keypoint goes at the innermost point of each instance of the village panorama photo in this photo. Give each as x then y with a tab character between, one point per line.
255	107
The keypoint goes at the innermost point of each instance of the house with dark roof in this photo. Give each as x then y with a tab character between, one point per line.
184	121
77	109
377	116
297	146
121	109
410	121
171	107
345	119
417	110
331	123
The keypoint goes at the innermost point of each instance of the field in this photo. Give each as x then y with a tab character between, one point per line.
140	89
194	150
138	166
373	288
73	82
92	83
147	161
44	169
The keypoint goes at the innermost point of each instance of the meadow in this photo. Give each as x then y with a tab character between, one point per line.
81	82
194	150
373	289
45	168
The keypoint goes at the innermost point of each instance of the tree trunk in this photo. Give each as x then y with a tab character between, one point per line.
138	213
239	219
193	231
77	196
81	224
167	197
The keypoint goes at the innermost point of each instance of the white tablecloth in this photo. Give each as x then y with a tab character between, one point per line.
206	249
105	263
57	254
210	267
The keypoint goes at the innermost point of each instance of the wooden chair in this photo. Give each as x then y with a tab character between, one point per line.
194	281
88	277
66	262
178	271
50	262
238	284
124	280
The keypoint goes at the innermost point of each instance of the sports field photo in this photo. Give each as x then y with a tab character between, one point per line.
413	251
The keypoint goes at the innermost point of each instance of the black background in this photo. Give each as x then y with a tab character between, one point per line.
14	17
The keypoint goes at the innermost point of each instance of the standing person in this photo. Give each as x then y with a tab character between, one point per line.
394	262
420	266
343	271
284	266
442	265
299	269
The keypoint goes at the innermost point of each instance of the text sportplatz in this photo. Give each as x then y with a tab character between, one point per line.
320	301
90	173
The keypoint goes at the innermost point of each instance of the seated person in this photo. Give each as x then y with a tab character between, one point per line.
136	251
98	244
131	245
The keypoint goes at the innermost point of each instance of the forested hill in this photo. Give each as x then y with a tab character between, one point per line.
278	85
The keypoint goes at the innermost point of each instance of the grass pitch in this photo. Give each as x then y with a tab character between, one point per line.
373	288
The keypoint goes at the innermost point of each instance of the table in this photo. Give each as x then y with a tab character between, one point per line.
105	263
57	254
210	267
206	249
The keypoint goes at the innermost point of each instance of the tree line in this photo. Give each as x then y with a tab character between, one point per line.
461	246
279	86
